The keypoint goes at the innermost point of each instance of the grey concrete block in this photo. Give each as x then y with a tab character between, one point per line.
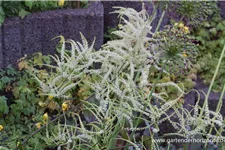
221	5
1	50
51	27
34	32
13	40
111	20
95	25
71	21
32	35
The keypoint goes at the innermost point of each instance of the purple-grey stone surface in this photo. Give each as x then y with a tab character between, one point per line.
213	97
12	40
34	32
222	8
1	50
111	20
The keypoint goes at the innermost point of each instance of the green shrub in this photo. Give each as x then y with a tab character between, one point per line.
211	40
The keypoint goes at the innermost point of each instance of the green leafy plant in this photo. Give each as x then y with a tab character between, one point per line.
111	107
211	41
124	100
20	110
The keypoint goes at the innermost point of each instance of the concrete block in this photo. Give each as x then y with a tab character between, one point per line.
221	5
1	50
32	35
12	40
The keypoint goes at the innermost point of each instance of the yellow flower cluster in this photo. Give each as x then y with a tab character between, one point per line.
50	97
61	3
65	106
45	117
184	54
184	28
38	125
1	127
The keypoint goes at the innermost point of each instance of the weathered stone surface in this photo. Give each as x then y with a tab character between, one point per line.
213	97
35	31
1	50
96	18
222	8
32	35
111	20
12	40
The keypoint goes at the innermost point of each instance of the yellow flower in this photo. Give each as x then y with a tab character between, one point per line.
186	29
120	25
42	104
1	127
61	2
45	116
50	97
146	44
65	106
181	25
175	24
38	125
184	55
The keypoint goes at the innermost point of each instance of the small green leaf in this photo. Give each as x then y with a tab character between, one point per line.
3	105
23	13
29	4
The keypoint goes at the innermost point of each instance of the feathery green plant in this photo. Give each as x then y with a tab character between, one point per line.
123	93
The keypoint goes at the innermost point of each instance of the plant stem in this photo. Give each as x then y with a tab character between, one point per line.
152	90
35	132
205	105
161	19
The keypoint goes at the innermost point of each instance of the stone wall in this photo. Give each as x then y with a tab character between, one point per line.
111	19
34	33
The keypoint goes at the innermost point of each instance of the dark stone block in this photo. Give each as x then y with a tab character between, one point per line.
95	25
111	20
213	97
34	32
222	8
32	35
13	40
1	49
51	27
70	23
